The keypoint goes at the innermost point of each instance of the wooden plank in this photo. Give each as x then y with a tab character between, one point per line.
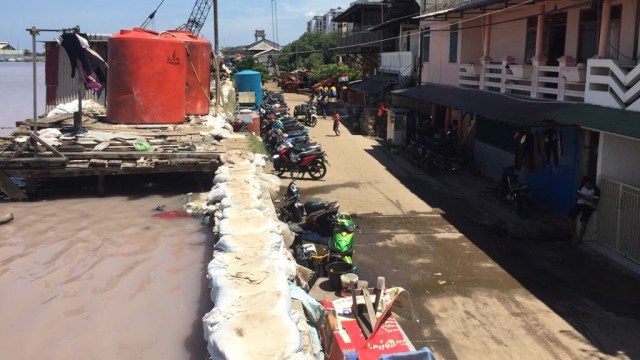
114	163
47	146
98	163
10	188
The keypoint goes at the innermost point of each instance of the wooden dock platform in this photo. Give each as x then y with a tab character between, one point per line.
102	149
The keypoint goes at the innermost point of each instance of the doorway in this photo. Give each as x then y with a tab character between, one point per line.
556	25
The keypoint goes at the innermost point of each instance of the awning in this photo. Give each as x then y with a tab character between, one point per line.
374	85
499	107
598	118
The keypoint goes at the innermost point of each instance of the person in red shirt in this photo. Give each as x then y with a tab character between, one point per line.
336	123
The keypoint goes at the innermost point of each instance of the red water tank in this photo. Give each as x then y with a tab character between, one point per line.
146	78
198	67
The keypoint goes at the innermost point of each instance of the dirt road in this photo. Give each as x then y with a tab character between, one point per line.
475	295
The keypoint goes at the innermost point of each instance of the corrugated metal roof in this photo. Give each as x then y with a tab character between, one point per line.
492	105
592	117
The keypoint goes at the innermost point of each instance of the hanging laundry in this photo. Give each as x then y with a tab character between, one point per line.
524	150
552	146
75	47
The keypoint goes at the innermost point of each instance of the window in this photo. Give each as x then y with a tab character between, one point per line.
453	43
530	40
426	36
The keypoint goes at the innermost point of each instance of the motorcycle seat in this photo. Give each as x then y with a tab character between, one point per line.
313	206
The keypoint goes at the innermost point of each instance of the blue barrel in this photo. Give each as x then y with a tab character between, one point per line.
249	80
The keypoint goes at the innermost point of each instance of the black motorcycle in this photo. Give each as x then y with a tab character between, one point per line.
510	191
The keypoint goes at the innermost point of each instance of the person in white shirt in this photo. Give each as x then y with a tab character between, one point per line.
588	196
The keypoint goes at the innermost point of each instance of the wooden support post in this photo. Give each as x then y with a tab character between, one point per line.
102	185
35	138
10	188
31	185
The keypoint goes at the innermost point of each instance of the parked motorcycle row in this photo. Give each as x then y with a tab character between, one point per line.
287	141
317	223
437	154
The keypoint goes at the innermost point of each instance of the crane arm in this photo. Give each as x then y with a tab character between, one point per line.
198	16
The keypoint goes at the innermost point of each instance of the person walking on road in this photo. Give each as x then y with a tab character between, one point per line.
336	123
588	195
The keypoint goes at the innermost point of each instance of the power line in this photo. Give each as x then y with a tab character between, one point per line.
445	28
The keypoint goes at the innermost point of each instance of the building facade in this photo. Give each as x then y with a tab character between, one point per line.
552	87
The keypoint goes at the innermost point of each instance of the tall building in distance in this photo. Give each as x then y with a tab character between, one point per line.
323	23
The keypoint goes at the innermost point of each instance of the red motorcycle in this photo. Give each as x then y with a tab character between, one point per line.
310	161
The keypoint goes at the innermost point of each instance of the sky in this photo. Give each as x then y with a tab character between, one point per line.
238	19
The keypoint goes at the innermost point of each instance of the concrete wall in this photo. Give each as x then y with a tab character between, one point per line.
618	159
438	69
471	42
508	39
490	160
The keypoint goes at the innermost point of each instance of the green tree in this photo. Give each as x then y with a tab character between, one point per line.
310	50
334	70
249	63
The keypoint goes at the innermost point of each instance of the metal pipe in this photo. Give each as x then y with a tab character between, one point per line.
34	32
215	54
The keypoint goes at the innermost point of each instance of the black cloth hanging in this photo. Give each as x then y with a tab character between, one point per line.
552	146
76	52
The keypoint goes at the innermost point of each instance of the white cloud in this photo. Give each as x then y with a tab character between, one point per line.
310	14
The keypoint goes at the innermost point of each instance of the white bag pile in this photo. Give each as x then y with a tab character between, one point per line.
251	270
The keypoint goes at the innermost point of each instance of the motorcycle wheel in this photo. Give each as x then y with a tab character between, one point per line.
521	207
430	166
312	121
414	156
279	167
501	192
317	169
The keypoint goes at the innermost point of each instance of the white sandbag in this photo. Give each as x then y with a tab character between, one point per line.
241	201
270	183
252	266
245	226
235	168
229	189
259	160
268	242
236	157
230	213
258	330
239	176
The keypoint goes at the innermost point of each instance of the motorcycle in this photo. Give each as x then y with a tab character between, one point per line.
417	152
434	163
509	190
310	113
310	161
318	220
311	116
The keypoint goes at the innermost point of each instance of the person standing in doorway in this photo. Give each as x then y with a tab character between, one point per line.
588	196
336	123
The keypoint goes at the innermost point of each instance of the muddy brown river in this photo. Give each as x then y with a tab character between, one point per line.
102	278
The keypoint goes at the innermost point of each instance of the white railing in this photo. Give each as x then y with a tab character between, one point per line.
618	218
611	83
397	62
565	83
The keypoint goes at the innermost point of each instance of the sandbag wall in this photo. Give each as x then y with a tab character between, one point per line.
252	271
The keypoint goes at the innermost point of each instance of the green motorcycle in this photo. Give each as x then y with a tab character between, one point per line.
341	241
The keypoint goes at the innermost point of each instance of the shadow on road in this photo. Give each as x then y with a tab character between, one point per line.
568	279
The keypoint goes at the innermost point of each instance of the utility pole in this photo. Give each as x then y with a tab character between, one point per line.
215	53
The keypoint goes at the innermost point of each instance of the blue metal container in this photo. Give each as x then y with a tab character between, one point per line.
248	80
